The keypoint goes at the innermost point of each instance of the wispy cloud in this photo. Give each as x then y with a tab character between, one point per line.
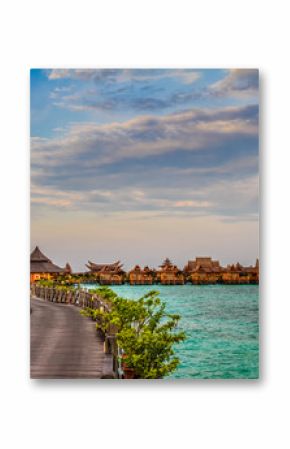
108	90
147	90
238	82
198	162
96	145
187	76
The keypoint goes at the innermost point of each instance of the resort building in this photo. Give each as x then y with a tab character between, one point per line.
107	274
169	274
237	274
203	270
137	276
41	267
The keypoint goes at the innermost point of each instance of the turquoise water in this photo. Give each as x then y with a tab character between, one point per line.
221	324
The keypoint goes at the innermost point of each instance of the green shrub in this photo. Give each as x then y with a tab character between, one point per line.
144	331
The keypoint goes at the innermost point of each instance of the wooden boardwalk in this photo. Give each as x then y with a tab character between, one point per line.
64	344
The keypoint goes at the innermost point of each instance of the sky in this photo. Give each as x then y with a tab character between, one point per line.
141	164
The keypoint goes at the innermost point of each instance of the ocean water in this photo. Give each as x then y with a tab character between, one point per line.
221	323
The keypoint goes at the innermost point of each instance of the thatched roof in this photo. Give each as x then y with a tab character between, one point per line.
203	264
39	263
38	256
138	269
166	263
115	267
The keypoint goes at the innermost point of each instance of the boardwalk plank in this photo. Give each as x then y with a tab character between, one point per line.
64	344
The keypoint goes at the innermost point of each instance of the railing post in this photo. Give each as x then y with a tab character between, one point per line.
32	289
73	297
111	347
76	298
68	297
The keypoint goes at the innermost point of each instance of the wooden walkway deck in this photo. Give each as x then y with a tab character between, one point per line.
64	344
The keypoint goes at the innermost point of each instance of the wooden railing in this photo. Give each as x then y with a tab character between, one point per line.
82	298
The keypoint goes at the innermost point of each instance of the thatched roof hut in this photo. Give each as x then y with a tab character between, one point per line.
39	263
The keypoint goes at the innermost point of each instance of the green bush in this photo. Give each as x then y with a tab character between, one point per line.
144	331
46	283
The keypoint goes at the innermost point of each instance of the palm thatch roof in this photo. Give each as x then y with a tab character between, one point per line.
101	267
39	263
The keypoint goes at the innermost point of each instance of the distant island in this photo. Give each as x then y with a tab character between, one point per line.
202	270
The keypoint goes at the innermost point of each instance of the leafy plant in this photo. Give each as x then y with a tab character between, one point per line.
46	283
144	331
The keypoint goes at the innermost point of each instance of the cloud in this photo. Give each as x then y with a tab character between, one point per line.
198	162
80	74
115	90
238	82
230	200
192	204
109	90
187	76
144	136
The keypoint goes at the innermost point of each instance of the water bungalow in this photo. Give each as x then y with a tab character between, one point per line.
107	273
203	270
137	276
169	274
41	267
237	274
